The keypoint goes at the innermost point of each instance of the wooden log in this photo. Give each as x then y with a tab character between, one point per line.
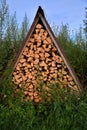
40	49
44	46
48	60
39	44
14	73
24	78
70	78
22	60
31	86
31	90
47	49
59	65
54	49
26	92
37	100
53	63
17	81
64	72
36	56
49	40
30	59
28	66
32	40
29	75
43	37
24	64
39	26
26	70
47	55
25	49
37	31
29	44
37	37
17	76
67	76
42	31
49	46
30	94
42	64
41	55
75	87
36	62
35	94
46	42
71	83
45	33
32	64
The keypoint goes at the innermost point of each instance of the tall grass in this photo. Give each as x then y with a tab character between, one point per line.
65	111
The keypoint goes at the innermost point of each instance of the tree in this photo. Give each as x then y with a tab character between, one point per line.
64	33
24	27
3	17
85	23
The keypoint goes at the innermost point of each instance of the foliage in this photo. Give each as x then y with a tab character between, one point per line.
3	17
85	23
24	27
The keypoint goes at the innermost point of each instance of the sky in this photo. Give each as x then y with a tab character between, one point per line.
57	12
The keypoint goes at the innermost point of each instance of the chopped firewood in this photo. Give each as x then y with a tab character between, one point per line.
37	100
39	26
75	87
43	64
43	37
36	61
29	76
70	78
32	40
71	83
39	44
49	40
31	86
35	94
29	59
26	92
29	44
45	33
36	56
47	55
22	60
54	49
30	94
37	31
41	61
46	42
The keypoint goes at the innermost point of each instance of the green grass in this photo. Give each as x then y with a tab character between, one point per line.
65	111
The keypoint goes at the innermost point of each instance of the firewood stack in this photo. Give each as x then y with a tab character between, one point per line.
40	61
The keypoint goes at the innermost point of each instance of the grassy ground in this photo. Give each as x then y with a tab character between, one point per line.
65	111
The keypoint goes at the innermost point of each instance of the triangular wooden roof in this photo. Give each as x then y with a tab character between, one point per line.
41	17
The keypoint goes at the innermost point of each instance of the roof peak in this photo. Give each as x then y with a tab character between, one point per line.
40	10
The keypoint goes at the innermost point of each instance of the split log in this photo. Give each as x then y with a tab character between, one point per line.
39	26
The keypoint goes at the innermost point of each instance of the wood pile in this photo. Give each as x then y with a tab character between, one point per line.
40	60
